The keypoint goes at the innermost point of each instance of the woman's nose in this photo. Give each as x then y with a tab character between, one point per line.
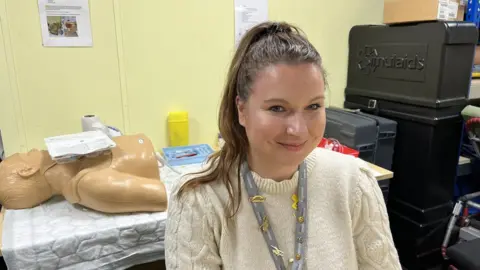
296	125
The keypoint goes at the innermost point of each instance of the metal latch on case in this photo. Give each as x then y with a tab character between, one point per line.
372	104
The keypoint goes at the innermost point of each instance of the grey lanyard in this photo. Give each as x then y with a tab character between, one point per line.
300	222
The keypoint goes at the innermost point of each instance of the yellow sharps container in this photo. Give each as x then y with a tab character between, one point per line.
178	128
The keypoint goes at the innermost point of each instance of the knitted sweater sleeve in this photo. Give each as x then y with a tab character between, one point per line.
189	238
371	228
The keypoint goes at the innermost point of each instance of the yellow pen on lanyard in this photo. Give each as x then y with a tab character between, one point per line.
265	224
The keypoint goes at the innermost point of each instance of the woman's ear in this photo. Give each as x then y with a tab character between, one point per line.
241	110
27	171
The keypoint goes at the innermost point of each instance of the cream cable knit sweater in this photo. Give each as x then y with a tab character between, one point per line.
348	226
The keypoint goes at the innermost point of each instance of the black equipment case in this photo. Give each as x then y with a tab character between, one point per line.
372	136
418	75
425	64
353	131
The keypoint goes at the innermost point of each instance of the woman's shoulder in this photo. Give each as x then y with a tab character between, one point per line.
339	169
206	195
331	162
345	177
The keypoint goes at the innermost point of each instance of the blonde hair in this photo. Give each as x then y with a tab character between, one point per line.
263	45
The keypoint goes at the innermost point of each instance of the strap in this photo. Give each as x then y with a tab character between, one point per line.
263	222
301	215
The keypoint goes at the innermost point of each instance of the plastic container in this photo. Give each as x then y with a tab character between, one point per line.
417	74
425	164
386	133
178	128
385	140
354	131
427	64
185	155
426	152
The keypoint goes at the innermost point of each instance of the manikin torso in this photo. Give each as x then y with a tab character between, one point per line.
125	179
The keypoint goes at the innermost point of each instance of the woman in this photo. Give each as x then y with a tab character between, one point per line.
270	198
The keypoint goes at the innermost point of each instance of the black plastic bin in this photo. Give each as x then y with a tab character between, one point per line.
424	165
427	64
352	130
386	133
417	74
426	152
382	132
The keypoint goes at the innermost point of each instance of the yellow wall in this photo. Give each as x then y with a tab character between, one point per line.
148	58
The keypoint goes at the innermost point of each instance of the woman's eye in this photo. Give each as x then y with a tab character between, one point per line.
314	106
276	109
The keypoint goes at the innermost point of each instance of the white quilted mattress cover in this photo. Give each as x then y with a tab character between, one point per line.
59	235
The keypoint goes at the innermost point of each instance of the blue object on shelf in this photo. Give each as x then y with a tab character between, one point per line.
184	155
473	12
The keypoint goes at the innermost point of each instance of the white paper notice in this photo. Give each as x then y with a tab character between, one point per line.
249	13
65	23
447	10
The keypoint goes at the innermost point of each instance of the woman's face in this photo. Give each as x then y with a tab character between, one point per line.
284	117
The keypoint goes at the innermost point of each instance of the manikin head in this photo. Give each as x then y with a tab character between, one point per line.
22	181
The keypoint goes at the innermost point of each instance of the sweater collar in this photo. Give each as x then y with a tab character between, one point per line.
288	186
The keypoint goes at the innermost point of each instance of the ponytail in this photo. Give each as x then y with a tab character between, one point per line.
263	45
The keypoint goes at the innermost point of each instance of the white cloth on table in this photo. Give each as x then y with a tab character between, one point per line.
59	235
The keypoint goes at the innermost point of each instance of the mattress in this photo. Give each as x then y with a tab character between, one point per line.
59	235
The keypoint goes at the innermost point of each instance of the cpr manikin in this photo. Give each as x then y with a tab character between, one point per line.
124	180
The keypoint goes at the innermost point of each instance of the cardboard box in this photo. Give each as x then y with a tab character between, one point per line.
400	11
476	60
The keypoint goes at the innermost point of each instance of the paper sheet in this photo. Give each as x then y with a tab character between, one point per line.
447	10
65	23
69	147
249	13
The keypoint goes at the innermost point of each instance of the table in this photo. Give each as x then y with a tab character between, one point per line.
380	174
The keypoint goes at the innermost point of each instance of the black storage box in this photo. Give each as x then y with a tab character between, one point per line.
420	64
426	152
424	165
417	74
372	136
386	133
418	245
353	131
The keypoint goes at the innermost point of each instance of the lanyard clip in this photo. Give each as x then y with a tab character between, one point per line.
257	199
265	224
295	201
277	251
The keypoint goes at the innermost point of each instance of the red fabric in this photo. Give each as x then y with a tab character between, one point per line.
336	146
